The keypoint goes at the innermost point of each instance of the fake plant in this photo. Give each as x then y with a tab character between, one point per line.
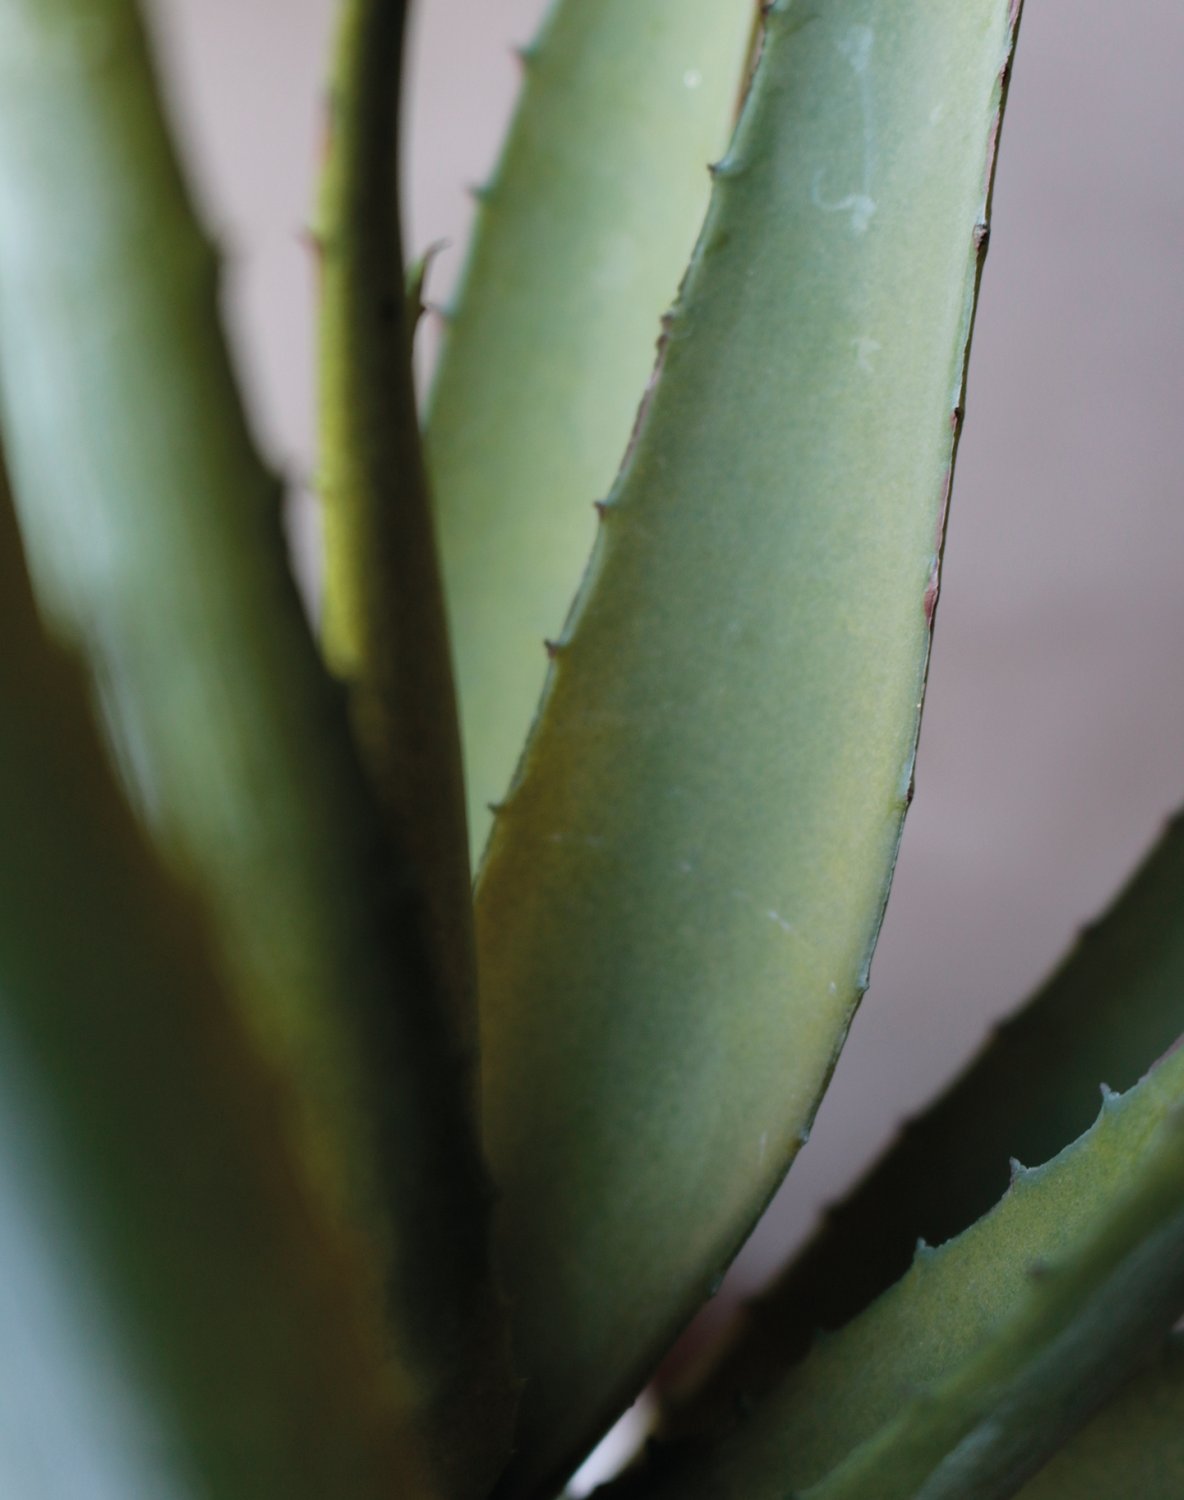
318	1177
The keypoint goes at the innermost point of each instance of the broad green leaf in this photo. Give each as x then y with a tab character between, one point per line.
1111	1008
581	238
964	1377
682	893
1134	1446
154	537
383	625
178	1317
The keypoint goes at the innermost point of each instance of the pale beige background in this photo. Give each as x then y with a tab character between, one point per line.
1054	734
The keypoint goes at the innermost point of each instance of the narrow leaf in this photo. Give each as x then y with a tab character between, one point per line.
581	238
178	1318
682	893
383	625
1111	1007
964	1377
155	544
979	1434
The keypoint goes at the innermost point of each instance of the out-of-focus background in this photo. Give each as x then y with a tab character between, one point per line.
1053	744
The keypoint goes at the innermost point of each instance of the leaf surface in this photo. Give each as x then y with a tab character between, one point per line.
1134	1446
383	625
684	887
178	1316
155	544
1111	1007
963	1378
581	238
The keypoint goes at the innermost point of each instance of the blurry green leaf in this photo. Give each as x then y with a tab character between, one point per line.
1134	1446
154	538
383	611
178	1318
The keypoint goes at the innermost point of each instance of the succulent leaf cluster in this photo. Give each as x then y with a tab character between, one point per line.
402	1025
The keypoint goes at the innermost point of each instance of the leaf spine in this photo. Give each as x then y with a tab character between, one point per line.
726	167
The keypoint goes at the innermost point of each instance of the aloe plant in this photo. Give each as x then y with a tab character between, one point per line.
325	1170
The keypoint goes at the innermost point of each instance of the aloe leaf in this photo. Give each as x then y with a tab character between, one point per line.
581	238
383	623
1112	1006
964	1377
982	1432
155	545
178	1317
682	893
1134	1446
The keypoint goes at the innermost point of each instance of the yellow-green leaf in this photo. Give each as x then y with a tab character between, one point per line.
683	889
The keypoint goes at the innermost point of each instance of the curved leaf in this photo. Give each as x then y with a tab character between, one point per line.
383	623
155	544
682	893
1076	1334
580	241
178	1318
1111	1007
967	1374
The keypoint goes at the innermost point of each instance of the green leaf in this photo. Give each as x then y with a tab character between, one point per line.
155	543
581	238
1111	1007
992	1424
1134	1446
964	1377
178	1317
383	625
682	893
